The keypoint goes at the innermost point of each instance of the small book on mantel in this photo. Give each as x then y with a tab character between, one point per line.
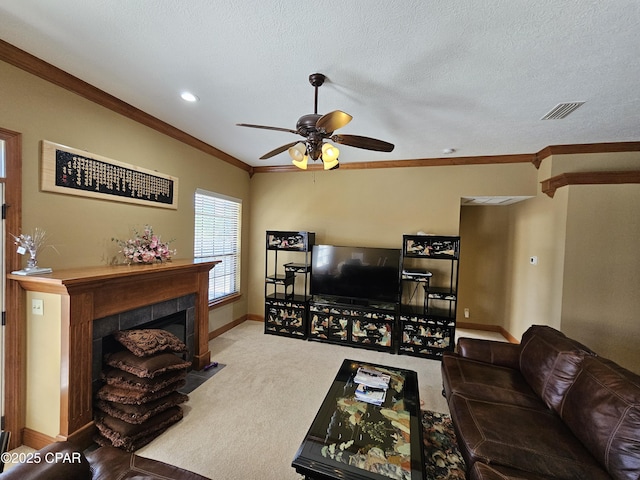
375	396
372	378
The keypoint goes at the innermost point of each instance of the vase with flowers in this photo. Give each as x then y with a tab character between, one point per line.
145	247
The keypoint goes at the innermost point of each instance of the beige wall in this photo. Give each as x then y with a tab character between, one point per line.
371	207
601	299
534	292
587	276
484	250
81	229
43	365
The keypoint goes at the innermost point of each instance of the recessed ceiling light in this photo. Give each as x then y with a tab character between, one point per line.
448	151
189	97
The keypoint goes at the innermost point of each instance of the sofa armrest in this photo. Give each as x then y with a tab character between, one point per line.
56	460
112	463
490	351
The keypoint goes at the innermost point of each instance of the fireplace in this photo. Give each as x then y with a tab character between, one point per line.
94	302
176	315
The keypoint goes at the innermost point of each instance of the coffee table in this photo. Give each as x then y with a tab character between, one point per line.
352	439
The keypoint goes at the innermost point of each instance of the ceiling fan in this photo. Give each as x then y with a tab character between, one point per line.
318	128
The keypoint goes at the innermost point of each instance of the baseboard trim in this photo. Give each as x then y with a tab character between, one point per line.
488	328
36	440
225	328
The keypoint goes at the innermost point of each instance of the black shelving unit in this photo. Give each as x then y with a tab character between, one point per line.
286	288
429	294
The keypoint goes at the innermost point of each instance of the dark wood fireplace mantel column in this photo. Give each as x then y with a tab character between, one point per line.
96	292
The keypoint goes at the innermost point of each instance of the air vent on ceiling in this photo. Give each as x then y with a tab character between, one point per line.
561	110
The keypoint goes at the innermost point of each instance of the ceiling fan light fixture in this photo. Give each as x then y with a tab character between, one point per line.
316	129
329	153
332	165
301	164
298	155
298	151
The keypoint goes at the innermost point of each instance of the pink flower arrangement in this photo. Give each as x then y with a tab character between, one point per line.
145	248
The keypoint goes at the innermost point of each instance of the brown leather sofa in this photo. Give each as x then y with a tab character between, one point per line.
62	461
547	408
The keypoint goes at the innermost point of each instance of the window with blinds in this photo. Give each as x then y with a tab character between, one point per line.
217	236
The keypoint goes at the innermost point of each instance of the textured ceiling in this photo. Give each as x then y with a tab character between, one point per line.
426	75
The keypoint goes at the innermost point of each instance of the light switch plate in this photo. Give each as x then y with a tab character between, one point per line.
37	306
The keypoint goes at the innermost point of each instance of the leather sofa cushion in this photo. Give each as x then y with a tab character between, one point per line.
521	438
73	466
483	381
490	351
549	362
481	471
602	409
109	463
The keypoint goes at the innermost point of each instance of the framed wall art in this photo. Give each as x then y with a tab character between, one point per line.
76	172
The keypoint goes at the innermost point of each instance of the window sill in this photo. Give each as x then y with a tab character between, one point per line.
220	302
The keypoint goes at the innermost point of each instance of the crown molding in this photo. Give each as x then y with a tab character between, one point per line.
550	185
31	64
582	148
419	162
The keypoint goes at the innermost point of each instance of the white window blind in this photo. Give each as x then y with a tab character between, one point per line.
217	236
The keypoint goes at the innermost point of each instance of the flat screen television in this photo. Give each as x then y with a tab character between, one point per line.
356	273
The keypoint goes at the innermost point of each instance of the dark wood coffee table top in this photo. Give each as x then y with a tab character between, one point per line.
352	439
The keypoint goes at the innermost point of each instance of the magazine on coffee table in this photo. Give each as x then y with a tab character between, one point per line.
371	395
372	378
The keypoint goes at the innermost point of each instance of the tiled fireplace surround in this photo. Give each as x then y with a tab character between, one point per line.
93	300
181	308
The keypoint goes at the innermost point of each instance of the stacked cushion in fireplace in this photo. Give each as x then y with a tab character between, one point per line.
140	397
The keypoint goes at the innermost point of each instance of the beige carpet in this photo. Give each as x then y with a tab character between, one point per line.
248	421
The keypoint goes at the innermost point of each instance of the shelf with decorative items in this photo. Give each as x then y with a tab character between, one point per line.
359	326
287	269
429	294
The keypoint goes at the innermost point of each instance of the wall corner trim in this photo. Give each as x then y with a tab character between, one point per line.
550	185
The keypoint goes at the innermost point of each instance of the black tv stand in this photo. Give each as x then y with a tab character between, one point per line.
353	321
357	302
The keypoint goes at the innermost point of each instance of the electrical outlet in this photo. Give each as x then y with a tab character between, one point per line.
466	313
37	306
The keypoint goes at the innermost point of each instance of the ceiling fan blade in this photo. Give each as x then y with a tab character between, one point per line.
278	150
280	129
363	142
332	121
